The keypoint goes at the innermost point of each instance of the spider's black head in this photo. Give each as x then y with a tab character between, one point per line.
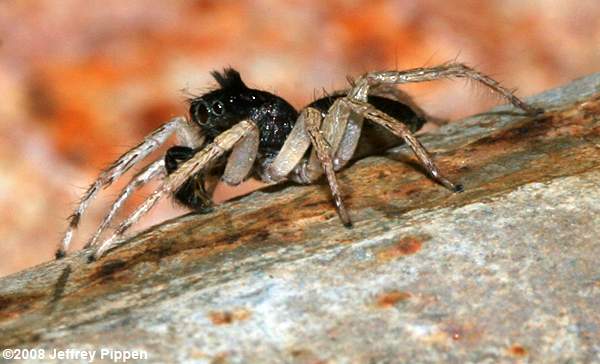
233	101
222	108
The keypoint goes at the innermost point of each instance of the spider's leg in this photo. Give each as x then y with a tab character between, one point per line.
341	128
324	152
210	153
403	131
349	141
344	138
241	159
157	168
115	170
333	129
448	70
192	193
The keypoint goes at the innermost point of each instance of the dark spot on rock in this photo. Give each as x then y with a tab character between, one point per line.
529	130
33	338
463	169
261	235
164	249
518	350
59	286
313	204
108	269
413	191
409	245
220	359
389	299
306	356
221	318
382	175
406	246
228	317
232	238
17	304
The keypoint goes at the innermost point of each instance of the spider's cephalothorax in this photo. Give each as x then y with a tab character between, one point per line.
219	110
234	132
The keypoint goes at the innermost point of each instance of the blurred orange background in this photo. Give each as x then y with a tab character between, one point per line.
80	82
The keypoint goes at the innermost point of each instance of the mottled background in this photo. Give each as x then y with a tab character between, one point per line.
80	82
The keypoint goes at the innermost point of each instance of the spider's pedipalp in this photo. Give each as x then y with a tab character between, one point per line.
448	70
291	153
242	157
150	143
157	168
201	160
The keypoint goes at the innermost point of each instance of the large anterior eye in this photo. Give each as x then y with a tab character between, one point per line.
199	113
218	108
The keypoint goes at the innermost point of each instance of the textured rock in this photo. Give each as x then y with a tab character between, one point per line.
506	271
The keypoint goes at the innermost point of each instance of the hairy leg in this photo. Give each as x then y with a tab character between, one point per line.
333	129
201	160
324	152
449	70
118	168
151	171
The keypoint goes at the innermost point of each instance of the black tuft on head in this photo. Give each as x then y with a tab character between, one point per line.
229	79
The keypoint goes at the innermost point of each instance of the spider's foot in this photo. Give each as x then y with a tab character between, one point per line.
533	111
342	212
59	254
459	188
205	209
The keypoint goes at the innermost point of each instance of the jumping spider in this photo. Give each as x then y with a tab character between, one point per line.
266	137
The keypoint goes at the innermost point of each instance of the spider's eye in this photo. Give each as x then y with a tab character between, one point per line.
218	108
199	113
